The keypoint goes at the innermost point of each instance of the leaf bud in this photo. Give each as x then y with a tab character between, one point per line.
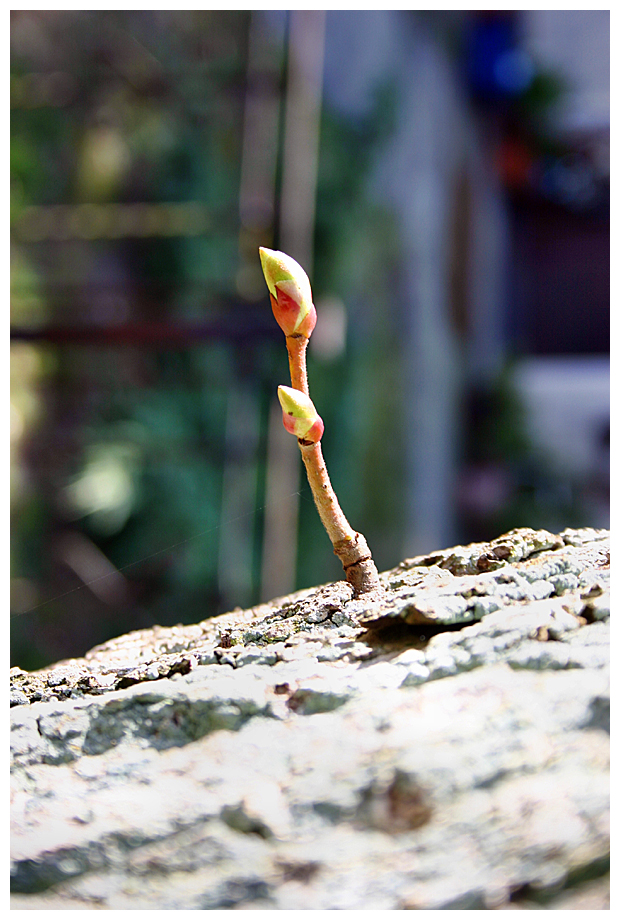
290	293
299	415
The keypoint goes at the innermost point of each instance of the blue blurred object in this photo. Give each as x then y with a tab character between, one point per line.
497	68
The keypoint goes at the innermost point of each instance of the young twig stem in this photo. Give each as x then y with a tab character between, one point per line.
296	345
350	546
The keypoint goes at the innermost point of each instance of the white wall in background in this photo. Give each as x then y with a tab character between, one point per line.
568	406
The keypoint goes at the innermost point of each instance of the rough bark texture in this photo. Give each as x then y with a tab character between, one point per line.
442	747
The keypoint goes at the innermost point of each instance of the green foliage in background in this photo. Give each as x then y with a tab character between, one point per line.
130	449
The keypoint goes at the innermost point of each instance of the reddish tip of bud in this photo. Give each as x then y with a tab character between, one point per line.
286	311
316	432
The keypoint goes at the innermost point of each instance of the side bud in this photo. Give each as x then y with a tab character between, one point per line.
299	415
290	293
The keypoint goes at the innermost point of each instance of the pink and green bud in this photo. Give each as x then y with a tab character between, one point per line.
299	415
290	293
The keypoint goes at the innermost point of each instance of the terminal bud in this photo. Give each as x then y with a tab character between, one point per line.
290	293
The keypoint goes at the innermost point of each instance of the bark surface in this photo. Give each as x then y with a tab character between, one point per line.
443	745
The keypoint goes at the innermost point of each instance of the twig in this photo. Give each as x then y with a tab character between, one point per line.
291	301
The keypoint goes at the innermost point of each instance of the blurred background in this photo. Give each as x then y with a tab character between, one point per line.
443	176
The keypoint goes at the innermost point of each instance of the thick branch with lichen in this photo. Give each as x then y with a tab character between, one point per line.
291	301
